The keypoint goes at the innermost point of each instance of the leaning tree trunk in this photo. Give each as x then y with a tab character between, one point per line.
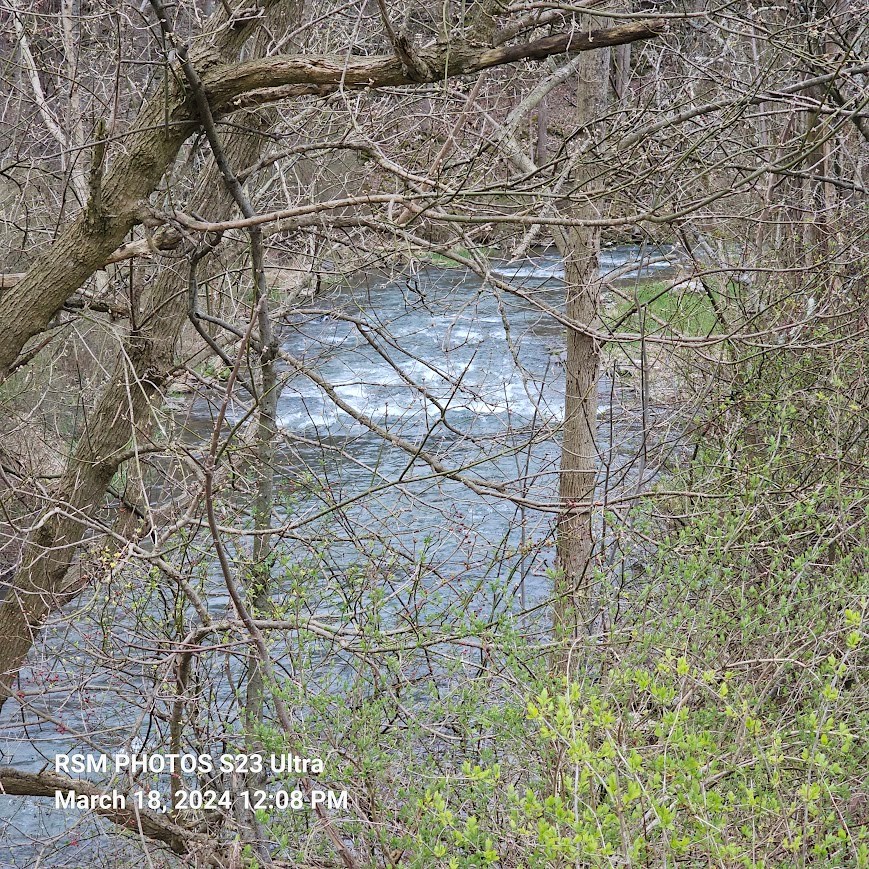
120	419
117	201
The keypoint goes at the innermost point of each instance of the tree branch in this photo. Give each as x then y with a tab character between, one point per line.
262	81
153	144
157	827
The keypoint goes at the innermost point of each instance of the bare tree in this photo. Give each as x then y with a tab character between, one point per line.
117	203
311	446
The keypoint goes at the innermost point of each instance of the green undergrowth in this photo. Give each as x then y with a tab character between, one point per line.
721	721
717	717
725	725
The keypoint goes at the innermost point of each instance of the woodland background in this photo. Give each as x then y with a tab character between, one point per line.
472	395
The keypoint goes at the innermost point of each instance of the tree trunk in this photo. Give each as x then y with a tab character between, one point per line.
580	246
122	416
541	147
85	245
264	501
575	537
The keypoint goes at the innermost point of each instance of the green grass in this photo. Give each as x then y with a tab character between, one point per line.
447	262
687	313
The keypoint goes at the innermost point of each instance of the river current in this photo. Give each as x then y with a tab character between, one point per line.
433	362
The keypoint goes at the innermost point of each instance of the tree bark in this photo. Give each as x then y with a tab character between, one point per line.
581	250
122	415
541	145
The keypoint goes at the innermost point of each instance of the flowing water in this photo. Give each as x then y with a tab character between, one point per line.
438	363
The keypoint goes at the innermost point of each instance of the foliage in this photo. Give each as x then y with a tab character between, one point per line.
721	720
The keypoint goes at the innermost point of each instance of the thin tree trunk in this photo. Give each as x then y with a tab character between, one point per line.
541	148
263	506
580	248
572	611
622	72
575	538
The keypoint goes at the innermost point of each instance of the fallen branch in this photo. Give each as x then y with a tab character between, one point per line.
153	825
